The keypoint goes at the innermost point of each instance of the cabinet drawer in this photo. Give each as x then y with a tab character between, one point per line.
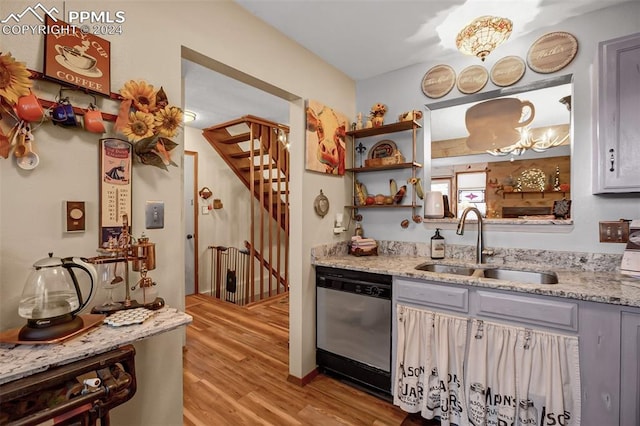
438	296
546	313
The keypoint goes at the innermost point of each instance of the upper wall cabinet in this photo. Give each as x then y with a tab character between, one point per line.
617	150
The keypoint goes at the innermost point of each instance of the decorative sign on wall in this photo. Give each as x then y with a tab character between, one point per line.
507	71
76	58
552	52
115	187
472	79
438	81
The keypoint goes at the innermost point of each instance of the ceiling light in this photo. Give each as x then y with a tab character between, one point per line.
483	35
188	116
548	139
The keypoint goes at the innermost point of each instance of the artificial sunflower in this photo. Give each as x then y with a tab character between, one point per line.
168	120
140	126
14	79
141	94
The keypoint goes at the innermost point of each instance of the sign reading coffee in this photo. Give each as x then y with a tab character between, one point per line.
76	58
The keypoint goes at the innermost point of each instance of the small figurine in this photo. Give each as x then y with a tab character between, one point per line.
359	121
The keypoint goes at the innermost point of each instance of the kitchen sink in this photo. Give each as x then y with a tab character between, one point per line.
529	277
445	269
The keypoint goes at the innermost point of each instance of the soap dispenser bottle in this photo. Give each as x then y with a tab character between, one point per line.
437	245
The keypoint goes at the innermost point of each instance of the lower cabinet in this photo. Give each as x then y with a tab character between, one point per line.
630	367
609	364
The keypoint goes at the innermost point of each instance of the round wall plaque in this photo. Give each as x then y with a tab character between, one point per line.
321	204
438	81
472	79
552	52
507	71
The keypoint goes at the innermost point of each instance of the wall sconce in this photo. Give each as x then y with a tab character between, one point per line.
483	35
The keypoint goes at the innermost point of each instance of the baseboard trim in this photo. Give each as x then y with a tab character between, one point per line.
305	380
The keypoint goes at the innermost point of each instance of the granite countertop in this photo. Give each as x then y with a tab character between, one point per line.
595	286
18	361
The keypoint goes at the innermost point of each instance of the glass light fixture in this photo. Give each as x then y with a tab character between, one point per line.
547	139
188	116
483	35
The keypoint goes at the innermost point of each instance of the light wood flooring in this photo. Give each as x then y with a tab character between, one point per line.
236	368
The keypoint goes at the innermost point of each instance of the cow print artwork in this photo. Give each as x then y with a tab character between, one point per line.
326	139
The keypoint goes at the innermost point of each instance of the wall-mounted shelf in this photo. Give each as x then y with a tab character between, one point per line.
386	167
541	193
384	206
383	130
412	165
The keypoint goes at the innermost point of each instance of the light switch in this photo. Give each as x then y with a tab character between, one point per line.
614	232
154	214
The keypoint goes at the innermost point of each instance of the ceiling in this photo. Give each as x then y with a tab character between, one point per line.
363	38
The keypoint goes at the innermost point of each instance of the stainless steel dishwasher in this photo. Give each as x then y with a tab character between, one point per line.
353	327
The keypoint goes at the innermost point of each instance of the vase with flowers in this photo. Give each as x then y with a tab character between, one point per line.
377	114
148	121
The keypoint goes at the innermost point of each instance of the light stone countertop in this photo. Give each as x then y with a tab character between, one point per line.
595	286
18	361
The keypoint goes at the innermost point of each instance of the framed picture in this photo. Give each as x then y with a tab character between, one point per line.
115	187
77	59
326	139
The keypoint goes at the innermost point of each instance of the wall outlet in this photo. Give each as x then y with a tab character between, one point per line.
614	232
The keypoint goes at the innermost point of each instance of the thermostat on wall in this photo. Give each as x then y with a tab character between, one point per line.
73	214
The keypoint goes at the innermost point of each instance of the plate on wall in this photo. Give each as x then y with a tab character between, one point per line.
472	79
552	52
438	81
507	71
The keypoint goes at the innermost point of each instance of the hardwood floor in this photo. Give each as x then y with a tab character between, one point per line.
236	368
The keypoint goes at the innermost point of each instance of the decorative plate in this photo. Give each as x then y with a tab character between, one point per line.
507	71
472	79
552	52
532	179
321	205
438	81
384	148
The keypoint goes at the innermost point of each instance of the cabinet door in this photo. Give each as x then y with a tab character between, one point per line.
630	370
618	150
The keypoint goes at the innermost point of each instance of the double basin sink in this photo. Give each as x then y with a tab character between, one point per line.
516	275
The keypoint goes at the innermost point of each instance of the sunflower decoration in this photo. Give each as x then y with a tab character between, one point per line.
14	79
147	120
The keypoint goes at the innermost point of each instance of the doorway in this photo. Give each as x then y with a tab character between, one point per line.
190	208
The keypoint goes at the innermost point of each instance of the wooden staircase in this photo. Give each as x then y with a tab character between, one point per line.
255	149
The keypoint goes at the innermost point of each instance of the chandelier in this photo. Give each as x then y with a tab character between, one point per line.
548	139
483	35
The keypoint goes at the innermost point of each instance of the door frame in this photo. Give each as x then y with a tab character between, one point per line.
196	253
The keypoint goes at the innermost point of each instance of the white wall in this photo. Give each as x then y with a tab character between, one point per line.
150	49
400	90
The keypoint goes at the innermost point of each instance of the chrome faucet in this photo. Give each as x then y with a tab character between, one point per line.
481	252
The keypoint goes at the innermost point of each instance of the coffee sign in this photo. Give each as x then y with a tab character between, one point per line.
76	58
552	52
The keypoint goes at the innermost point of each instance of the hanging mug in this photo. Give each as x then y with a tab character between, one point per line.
29	108
63	114
93	120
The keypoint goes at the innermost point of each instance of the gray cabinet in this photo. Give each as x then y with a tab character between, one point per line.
630	370
617	150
